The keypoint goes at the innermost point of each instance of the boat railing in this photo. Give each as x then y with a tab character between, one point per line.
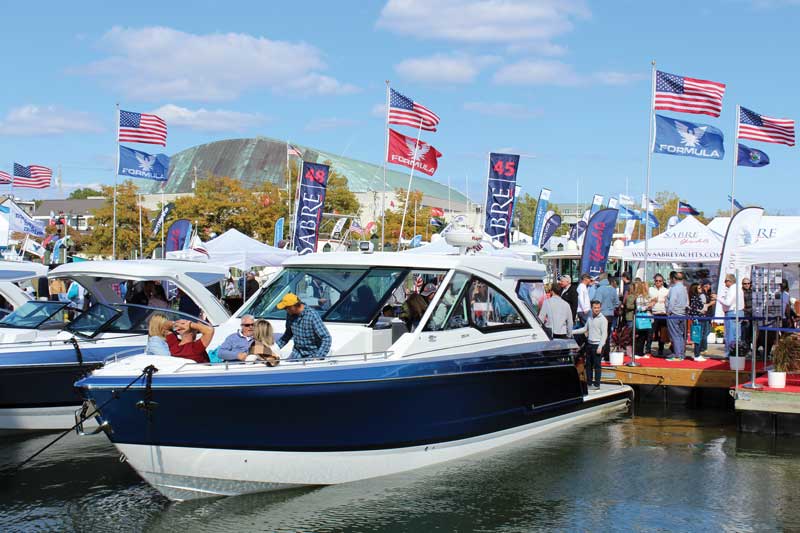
316	361
59	342
122	354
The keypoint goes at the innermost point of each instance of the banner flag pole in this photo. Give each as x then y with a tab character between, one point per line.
289	188
410	179
116	170
735	160
385	157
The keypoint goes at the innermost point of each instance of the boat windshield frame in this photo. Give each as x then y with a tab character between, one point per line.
138	326
278	287
52	307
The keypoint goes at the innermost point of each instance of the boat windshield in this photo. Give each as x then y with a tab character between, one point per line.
122	318
32	315
351	294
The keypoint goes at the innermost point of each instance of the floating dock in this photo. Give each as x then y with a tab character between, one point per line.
767	410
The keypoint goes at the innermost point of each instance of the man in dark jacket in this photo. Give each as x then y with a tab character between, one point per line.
569	294
251	285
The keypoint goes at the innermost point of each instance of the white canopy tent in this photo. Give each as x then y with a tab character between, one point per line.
780	250
234	249
689	241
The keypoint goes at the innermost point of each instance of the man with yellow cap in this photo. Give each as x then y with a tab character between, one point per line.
311	337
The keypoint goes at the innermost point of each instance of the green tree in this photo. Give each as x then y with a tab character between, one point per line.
669	207
101	239
394	218
83	193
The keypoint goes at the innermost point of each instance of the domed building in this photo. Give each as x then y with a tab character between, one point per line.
255	160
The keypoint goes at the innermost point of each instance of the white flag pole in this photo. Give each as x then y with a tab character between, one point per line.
385	157
289	189
410	179
735	159
650	143
116	170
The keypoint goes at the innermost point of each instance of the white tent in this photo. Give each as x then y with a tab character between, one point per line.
234	249
780	250
689	241
770	227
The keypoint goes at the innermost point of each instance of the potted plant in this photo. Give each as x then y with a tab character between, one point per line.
785	358
738	362
622	343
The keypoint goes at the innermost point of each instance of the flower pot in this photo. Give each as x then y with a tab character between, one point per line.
776	380
736	363
616	358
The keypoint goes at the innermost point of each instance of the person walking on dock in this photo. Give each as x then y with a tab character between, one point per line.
676	305
596	330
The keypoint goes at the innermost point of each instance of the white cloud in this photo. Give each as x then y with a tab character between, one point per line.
330	123
378	111
209	120
482	21
156	63
441	68
47	120
545	72
502	109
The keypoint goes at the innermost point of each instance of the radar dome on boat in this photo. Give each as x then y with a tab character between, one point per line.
462	237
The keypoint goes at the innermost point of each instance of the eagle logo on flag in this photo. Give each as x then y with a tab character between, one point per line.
146	162
417	151
690	138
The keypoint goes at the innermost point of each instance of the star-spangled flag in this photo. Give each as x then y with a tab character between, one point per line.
32	176
687	209
5	178
766	129
688	95
406	112
292	151
749	157
142	128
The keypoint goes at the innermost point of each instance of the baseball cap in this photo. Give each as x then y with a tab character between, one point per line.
289	299
429	289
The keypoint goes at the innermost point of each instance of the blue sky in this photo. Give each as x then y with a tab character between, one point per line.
565	81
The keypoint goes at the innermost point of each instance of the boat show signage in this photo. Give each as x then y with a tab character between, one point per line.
684	138
541	211
500	196
597	244
310	203
550	226
136	164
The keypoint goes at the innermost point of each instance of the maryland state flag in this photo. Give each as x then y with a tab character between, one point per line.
409	152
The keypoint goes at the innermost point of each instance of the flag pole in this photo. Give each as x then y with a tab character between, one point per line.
385	157
735	159
163	222
410	179
288	188
141	247
116	170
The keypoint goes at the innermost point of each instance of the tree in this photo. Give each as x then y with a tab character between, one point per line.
83	193
669	207
101	240
394	217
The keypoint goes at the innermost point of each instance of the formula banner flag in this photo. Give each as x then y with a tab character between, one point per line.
684	138
162	217
597	244
310	206
137	164
597	204
538	221
749	157
500	197
277	236
19	220
550	226
628	214
409	152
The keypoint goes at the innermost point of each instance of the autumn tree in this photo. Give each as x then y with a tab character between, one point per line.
394	218
83	193
669	207
101	240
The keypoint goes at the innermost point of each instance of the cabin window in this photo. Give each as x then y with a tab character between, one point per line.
489	309
448	314
532	295
361	303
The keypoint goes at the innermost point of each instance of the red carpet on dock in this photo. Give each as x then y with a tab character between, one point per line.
708	364
792	384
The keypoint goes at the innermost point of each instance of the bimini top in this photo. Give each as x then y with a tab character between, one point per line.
21	270
192	278
491	265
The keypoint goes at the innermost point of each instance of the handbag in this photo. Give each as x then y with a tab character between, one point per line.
644	323
697	332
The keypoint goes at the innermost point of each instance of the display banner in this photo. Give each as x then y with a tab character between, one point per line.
628	214
339	226
551	224
19	220
500	196
680	137
629	227
178	236
517	191
742	231
582	224
310	206
597	204
573	232
137	164
613	203
597	244
541	212
277	236
162	217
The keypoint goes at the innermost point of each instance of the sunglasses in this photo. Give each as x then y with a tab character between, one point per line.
250	325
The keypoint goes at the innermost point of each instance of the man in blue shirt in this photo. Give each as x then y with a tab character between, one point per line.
311	337
609	301
237	345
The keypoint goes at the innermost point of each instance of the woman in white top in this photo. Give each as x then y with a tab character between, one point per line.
658	303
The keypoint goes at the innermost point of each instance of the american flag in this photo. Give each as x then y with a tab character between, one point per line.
688	95
5	177
406	112
142	128
32	177
291	150
767	129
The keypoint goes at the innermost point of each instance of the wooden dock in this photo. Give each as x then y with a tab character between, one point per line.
766	410
712	373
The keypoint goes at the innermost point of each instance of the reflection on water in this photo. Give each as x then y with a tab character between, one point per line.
660	470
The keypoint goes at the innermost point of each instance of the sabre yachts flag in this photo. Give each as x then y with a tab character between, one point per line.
137	164
500	196
309	207
684	138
